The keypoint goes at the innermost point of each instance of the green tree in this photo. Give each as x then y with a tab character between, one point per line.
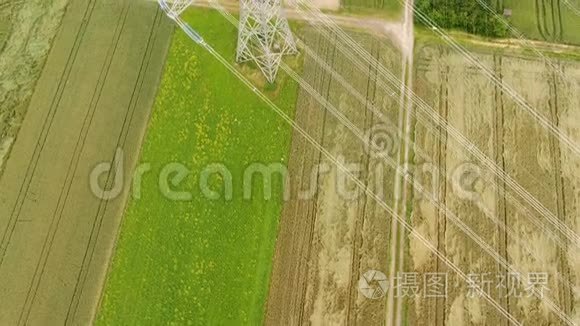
466	15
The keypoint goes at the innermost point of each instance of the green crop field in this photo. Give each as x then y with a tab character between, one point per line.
545	20
201	261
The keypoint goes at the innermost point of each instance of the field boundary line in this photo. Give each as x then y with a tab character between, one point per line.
358	239
441	303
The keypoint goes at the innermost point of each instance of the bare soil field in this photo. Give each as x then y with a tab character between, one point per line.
93	96
328	241
532	157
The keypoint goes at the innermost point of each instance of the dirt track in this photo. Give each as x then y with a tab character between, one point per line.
395	31
94	96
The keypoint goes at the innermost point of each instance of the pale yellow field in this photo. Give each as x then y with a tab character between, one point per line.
533	158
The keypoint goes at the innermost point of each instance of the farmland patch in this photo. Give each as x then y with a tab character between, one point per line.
548	20
329	241
506	134
92	99
203	260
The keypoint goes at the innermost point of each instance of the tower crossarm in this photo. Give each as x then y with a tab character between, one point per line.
176	7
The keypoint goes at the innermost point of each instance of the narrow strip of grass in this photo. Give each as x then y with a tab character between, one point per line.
201	261
484	45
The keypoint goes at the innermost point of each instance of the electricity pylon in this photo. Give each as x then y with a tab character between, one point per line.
176	7
264	35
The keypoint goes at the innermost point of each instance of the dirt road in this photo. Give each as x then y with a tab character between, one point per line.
394	311
394	30
94	96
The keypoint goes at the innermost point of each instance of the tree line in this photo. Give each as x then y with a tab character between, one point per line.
466	15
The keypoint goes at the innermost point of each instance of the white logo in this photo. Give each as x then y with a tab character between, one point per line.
381	141
373	284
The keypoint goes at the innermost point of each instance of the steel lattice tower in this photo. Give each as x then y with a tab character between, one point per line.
176	7
264	35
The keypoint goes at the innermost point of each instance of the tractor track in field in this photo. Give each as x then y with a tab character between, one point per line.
72	168
301	228
556	32
499	135
441	303
8	232
358	238
565	292
98	219
325	85
83	148
312	233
